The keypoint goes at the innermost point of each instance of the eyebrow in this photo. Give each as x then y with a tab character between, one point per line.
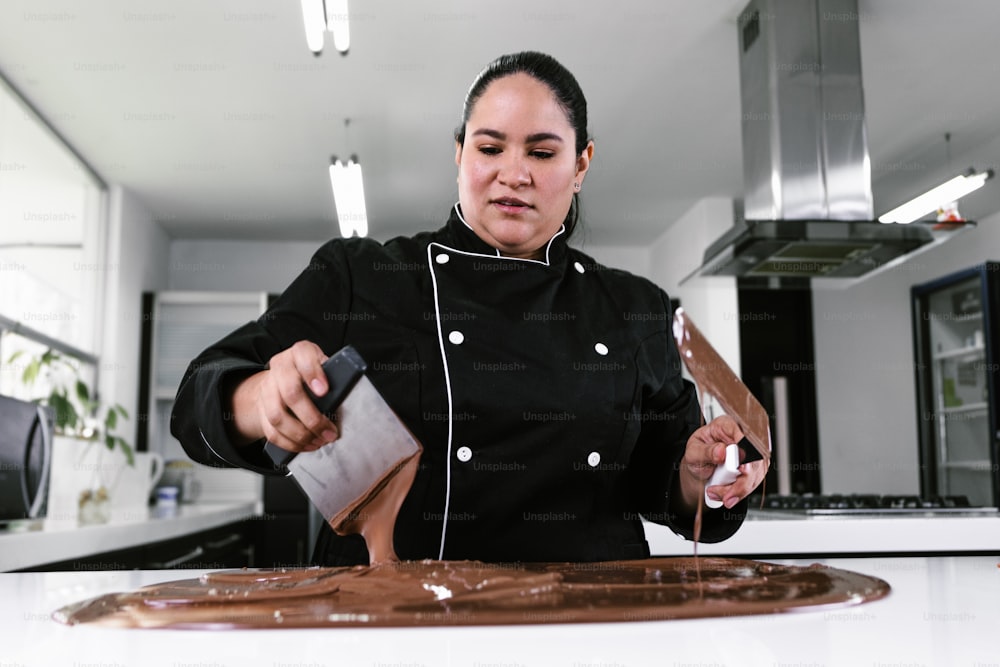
531	138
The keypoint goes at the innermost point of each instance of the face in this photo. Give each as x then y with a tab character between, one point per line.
517	169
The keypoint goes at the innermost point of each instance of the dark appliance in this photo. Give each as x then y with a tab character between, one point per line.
957	349
25	458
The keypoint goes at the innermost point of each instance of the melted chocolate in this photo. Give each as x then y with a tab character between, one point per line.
423	593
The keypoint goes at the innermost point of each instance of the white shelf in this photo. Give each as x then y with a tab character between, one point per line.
972	351
962	409
974	466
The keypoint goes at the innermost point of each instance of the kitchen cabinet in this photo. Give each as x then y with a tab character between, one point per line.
228	546
957	351
50	544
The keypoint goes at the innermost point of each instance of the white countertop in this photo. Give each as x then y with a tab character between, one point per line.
789	534
52	541
941	611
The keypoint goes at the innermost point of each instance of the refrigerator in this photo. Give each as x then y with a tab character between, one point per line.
956	334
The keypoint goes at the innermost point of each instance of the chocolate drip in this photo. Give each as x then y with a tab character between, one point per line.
375	517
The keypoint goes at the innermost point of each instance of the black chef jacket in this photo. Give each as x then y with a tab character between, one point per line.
547	394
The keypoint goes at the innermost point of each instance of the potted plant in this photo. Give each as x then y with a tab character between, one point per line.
79	415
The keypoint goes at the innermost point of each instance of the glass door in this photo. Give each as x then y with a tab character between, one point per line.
958	422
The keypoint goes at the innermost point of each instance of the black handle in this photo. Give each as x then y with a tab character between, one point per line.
342	371
752	453
29	446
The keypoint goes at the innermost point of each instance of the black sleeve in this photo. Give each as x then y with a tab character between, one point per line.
670	414
201	409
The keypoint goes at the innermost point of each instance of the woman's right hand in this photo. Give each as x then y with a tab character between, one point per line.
274	404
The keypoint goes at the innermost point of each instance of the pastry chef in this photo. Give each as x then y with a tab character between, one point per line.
545	388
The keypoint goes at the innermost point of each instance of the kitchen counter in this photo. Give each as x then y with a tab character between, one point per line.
51	541
790	534
941	611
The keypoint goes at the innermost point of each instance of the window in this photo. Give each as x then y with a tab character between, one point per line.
52	211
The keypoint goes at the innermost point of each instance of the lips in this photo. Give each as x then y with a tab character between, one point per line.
510	204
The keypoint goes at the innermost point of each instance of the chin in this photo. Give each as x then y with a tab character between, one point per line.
517	244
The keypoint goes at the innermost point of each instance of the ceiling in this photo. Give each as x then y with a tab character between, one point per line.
216	115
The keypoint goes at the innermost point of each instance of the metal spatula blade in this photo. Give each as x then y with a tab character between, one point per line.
372	446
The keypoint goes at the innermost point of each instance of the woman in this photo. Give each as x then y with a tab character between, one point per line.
546	389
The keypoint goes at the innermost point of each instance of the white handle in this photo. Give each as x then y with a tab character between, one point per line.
724	474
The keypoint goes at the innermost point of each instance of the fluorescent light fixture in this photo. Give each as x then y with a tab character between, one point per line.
937	198
315	23
349	197
322	15
336	23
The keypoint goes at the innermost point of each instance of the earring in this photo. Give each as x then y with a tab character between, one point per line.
576	186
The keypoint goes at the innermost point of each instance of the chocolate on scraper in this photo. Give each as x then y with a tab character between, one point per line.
714	377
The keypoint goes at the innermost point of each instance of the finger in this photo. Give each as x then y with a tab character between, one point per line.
302	420
281	426
308	360
729	494
727	430
743	486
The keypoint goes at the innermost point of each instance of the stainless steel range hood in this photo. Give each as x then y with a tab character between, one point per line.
807	209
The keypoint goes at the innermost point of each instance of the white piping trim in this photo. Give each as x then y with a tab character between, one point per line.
548	246
209	445
447	386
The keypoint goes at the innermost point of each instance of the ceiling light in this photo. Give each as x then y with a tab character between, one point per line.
349	197
320	16
937	198
336	23
315	23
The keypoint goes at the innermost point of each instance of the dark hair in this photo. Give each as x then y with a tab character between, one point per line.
560	81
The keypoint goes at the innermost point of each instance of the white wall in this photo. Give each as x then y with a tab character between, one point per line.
711	303
258	266
136	262
866	391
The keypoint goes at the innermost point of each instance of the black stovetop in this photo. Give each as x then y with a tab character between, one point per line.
866	503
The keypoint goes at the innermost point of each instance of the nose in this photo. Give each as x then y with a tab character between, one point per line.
513	170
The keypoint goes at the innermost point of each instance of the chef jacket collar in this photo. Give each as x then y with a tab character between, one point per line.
466	240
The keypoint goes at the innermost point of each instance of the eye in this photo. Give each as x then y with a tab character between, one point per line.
489	150
542	155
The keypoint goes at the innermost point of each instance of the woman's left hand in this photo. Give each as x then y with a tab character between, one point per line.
706	449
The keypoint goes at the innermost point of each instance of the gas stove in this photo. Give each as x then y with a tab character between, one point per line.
859	503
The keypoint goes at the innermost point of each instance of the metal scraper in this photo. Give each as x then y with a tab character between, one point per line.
715	377
342	476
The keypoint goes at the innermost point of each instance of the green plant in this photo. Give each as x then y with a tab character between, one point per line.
76	409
